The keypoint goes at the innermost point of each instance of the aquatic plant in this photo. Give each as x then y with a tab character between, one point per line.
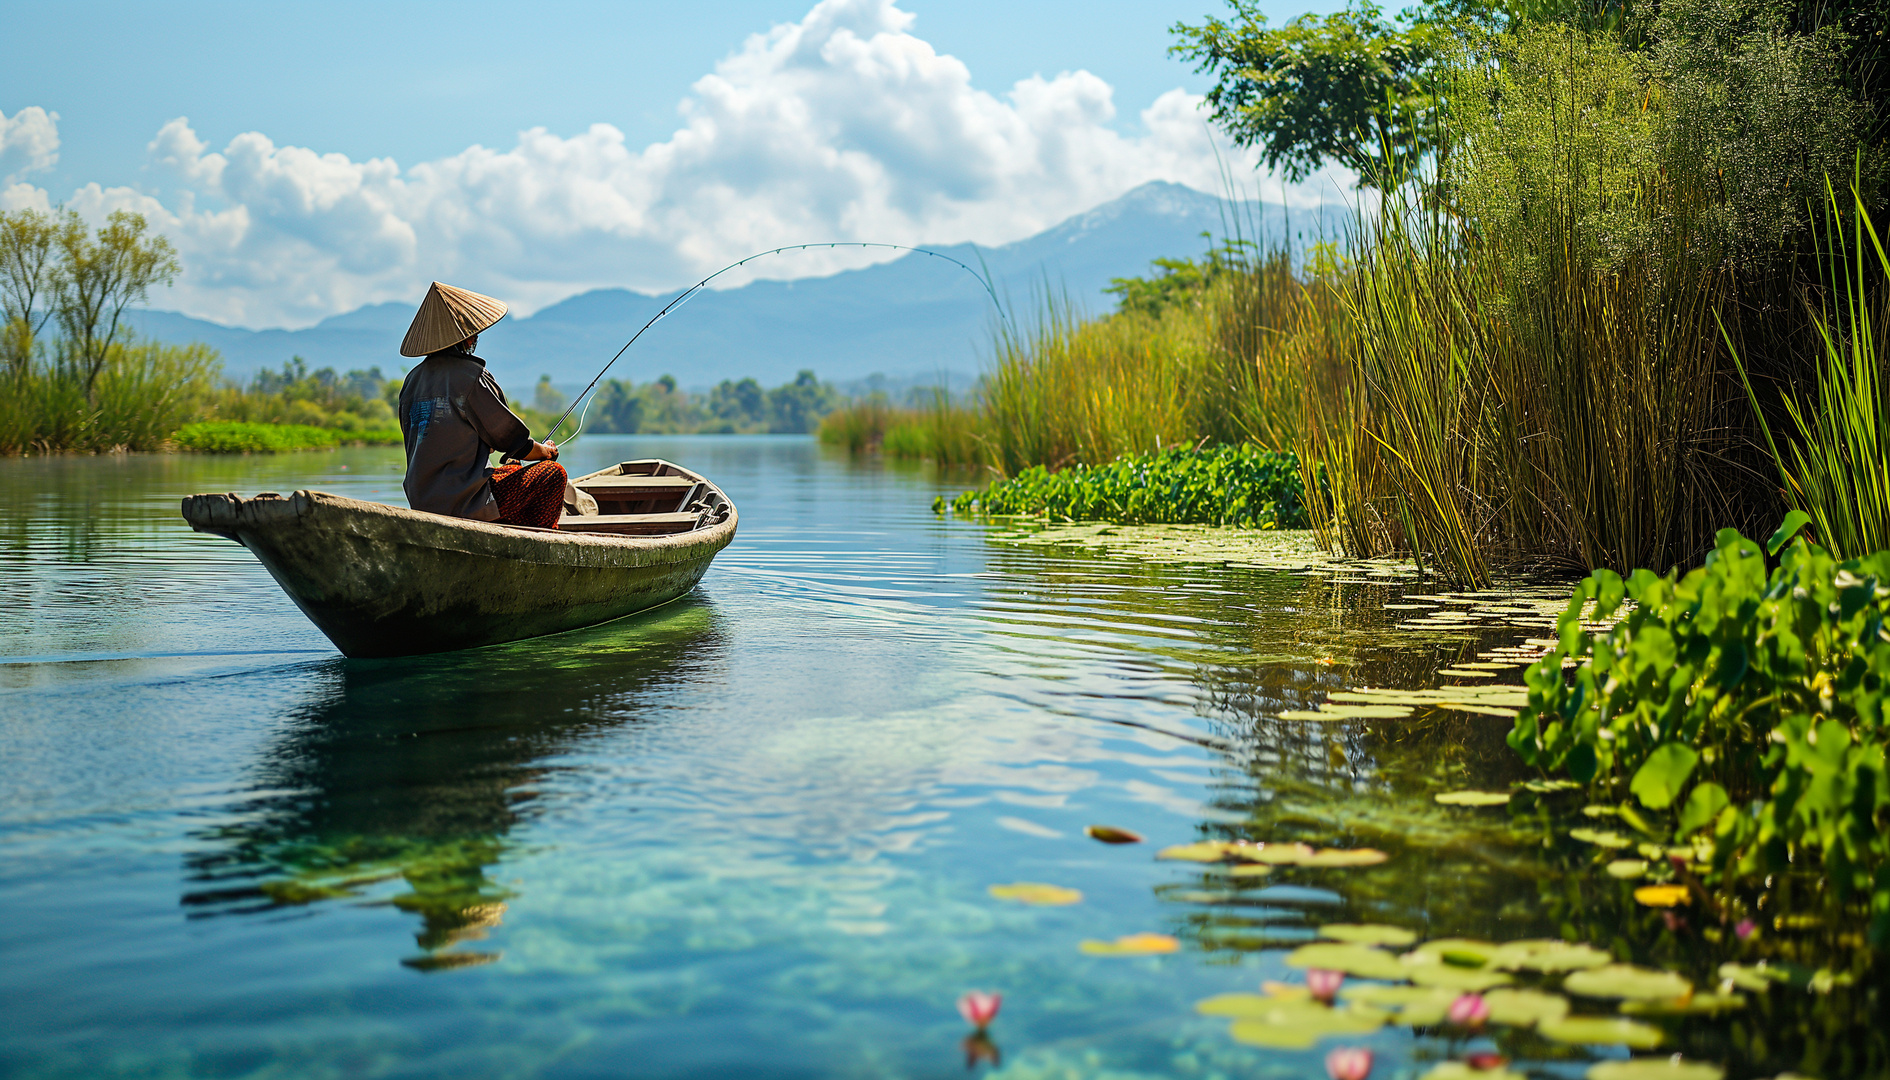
979	1007
236	437
1227	485
1735	712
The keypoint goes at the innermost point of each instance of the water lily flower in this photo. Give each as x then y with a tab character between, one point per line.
1349	1063
1744	928
1324	984
979	1007
1469	1010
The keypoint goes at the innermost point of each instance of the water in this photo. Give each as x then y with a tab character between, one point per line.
750	833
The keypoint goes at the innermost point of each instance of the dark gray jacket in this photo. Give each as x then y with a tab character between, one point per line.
452	417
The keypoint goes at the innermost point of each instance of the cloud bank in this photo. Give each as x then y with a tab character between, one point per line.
843	126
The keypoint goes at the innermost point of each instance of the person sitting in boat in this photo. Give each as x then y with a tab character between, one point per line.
453	416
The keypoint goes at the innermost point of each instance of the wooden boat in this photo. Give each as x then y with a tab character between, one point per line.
383	580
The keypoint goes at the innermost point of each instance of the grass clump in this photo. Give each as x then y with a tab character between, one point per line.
241	437
1240	486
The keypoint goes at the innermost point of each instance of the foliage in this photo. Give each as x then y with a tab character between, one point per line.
1351	87
1180	282
1239	486
144	391
1837	471
1736	704
238	437
359	400
661	408
940	430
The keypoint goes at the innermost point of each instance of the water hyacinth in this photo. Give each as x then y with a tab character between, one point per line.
1324	984
1349	1063
979	1007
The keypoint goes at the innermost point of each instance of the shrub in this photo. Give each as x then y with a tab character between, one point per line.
1733	705
1229	485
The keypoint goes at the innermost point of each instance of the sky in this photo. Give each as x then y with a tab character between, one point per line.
307	159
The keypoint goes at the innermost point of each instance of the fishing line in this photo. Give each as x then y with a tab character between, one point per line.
983	279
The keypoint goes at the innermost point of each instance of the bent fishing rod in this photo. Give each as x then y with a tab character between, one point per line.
983	279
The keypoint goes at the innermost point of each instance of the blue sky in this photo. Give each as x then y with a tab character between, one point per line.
311	158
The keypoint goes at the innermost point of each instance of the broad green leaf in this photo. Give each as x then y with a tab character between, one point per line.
1524	1008
1464	952
1626	868
1603	837
1463	1070
1296	1023
1452	977
1548	955
1702	806
1658	781
1787	529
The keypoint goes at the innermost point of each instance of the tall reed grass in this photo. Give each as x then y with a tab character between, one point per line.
145	392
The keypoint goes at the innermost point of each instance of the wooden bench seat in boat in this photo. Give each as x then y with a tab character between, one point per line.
630	494
629	524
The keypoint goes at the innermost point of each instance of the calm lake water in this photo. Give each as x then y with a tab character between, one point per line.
748	834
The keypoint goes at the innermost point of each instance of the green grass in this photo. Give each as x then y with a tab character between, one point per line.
237	437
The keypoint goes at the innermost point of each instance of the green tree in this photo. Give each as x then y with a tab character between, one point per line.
547	398
102	276
797	407
1352	87
30	246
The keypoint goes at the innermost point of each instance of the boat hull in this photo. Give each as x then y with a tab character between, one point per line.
384	581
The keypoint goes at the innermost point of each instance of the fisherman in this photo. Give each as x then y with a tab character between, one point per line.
453	416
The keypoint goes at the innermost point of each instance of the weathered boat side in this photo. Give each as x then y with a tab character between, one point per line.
387	581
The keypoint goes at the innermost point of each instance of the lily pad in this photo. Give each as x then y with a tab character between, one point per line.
1544	787
1210	851
1627	868
1034	892
1697	1005
1240	1006
1473	798
1451	977
1419	1006
1463	1070
1132	945
1627	981
1280	854
1663	895
1109	834
1524	1008
1463	952
1662	1068
1289	1024
1359	960
1339	857
1757	978
1548	955
1368	934
1242	870
1603	837
1601	1031
1332	711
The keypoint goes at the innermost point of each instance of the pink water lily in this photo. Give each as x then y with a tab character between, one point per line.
1469	1010
1349	1063
1743	928
1324	984
979	1007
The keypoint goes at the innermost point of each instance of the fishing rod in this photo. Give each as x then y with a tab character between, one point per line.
983	279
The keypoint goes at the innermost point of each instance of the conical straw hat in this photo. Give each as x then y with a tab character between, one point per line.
447	317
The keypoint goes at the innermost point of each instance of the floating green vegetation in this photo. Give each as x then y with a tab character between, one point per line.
1033	892
1241	486
236	437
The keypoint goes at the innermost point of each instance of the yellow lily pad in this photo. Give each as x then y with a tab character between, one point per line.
1242	870
1341	857
1662	1068
1627	981
1132	945
1473	798
1210	851
1601	1031
1368	934
1696	1005
1663	895
1463	1070
1627	868
1460	979
1034	892
1359	960
1332	711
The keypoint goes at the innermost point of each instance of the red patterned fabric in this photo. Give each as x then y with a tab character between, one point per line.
529	494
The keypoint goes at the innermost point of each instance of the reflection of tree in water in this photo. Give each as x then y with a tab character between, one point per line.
416	770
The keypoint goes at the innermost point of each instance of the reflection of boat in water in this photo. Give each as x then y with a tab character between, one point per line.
399	783
383	580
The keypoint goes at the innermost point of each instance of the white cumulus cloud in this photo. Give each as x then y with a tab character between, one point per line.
29	142
843	126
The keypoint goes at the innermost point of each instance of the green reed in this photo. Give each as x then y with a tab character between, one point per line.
145	391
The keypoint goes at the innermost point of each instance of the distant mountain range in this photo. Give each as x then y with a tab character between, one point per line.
910	318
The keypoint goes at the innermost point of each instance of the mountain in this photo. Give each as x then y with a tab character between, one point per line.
913	316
